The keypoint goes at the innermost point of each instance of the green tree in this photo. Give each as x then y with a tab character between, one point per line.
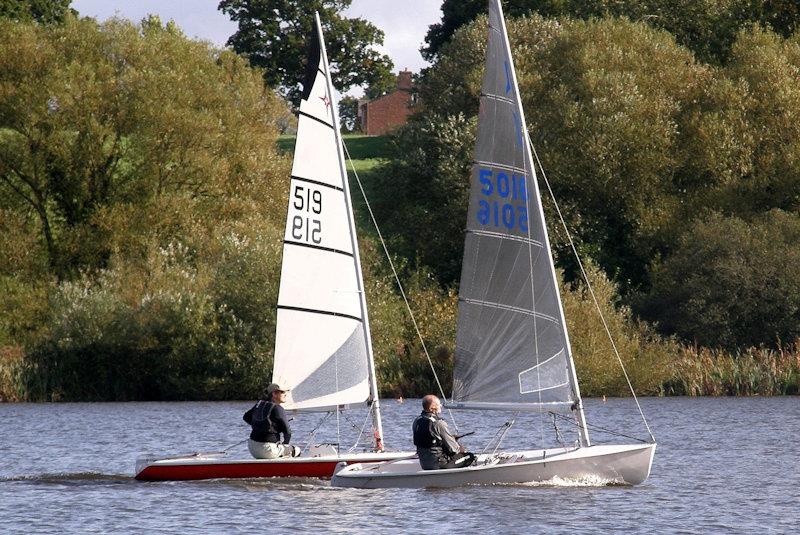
731	282
43	11
707	27
458	13
348	114
273	35
766	69
420	197
151	158
384	82
605	102
740	148
89	119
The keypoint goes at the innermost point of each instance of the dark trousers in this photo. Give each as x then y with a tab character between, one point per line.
459	460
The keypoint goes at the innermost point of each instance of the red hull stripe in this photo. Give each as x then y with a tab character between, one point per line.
192	471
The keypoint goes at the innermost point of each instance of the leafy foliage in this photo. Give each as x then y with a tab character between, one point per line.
420	197
637	139
274	35
142	204
606	101
731	283
145	164
90	119
707	27
648	358
42	11
348	115
154	332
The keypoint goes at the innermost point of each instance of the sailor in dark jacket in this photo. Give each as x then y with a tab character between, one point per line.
436	446
269	422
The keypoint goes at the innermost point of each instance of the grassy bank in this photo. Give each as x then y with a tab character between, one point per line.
366	151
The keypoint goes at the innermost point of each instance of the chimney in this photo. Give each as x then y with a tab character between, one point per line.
404	80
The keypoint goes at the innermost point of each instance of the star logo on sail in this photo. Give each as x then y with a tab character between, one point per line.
326	100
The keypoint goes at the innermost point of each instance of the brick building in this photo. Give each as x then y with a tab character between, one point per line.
379	116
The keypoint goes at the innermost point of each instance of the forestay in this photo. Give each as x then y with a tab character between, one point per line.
512	346
321	342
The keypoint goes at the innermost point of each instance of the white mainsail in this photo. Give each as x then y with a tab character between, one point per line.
323	350
512	346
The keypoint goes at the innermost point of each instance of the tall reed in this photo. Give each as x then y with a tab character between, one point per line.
11	366
749	372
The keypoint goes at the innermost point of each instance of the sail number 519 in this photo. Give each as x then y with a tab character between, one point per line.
305	227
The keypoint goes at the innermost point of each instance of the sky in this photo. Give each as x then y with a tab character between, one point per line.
403	22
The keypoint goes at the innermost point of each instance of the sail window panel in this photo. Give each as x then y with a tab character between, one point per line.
317	217
316	154
321	358
549	374
491	355
319	280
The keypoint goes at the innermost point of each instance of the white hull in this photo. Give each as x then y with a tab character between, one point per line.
623	465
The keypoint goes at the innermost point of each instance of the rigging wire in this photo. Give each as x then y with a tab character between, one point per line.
234	445
598	428
559	436
338	432
311	434
498	437
397	280
591	290
361	429
533	284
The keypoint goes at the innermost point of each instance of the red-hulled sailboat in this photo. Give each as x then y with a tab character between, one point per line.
323	349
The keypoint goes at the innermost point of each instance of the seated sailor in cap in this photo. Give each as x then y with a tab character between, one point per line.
436	447
269	422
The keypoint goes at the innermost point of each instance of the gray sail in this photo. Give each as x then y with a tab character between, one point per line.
512	347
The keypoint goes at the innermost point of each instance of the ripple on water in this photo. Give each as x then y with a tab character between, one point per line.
76	479
718	468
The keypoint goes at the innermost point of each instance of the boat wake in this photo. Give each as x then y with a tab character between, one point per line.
586	481
272	483
76	479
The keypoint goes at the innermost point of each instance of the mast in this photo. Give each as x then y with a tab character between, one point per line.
573	378
373	383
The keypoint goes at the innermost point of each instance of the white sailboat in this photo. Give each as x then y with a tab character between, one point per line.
512	346
323	349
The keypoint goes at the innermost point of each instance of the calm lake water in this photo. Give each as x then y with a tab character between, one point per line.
723	465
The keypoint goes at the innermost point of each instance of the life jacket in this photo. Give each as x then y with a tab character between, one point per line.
423	431
263	427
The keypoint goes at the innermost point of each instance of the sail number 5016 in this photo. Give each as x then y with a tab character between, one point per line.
305	227
510	211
